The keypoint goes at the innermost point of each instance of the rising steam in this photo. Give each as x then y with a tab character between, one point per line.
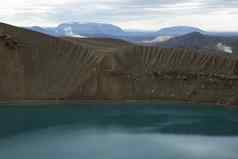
224	48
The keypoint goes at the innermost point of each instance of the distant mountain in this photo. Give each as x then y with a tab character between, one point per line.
178	31
202	42
82	29
89	29
101	30
112	31
171	32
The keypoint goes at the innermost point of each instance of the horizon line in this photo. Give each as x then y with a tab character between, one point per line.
124	28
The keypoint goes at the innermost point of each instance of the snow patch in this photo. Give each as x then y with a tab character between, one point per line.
158	39
78	36
69	32
225	48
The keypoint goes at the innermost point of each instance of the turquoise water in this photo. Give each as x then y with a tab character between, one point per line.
116	131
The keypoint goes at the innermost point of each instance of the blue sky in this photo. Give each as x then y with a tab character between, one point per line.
216	15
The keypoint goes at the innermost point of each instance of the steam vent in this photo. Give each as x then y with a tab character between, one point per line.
35	66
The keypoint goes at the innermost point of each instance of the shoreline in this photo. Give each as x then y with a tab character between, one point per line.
114	102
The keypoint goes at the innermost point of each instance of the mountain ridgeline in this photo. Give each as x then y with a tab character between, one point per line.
101	30
35	66
202	43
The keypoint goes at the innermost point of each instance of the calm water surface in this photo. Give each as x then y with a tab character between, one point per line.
118	131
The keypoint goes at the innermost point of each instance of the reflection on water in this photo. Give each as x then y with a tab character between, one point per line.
123	131
95	144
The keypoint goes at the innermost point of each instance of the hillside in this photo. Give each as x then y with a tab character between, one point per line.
202	43
36	66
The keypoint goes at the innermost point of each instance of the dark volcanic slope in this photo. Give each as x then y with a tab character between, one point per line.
169	74
36	66
161	60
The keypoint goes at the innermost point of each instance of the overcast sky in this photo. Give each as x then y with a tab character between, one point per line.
216	15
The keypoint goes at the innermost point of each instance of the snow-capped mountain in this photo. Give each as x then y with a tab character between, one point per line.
82	30
90	29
